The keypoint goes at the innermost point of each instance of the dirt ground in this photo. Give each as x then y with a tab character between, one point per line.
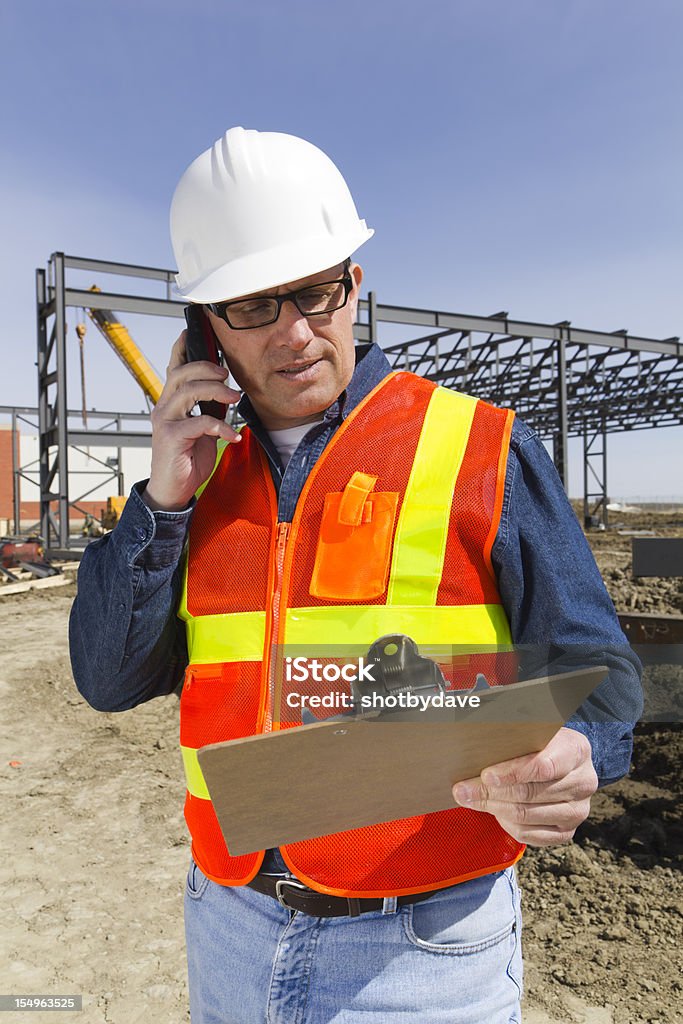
95	850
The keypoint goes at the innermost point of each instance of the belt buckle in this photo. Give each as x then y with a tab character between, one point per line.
294	883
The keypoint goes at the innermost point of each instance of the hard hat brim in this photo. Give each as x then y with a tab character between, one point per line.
259	271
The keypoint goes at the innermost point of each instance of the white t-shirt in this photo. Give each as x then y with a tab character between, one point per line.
287	441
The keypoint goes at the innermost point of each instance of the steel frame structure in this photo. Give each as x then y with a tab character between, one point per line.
565	382
21	414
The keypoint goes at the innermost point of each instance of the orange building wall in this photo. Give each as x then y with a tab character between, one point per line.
30	510
6	510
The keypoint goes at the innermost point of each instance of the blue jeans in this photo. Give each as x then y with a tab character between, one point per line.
453	959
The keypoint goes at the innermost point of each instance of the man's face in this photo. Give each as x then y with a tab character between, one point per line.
294	369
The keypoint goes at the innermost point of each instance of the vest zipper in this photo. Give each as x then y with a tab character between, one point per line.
271	671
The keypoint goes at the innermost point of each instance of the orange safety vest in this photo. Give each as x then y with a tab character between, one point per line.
392	533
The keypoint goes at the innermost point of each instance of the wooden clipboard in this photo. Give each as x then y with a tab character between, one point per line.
312	780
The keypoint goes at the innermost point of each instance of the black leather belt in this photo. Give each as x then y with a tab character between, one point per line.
294	895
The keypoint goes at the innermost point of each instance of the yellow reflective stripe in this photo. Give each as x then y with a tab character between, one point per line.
420	540
213	639
183	613
220	448
363	624
193	773
235	637
220	638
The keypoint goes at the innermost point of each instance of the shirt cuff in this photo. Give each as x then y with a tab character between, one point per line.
151	539
611	747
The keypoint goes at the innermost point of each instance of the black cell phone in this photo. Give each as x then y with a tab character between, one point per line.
201	343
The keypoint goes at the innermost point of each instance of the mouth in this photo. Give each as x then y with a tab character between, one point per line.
300	371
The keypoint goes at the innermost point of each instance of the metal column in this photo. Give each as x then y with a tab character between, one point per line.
595	475
44	351
560	455
372	316
52	415
119	459
60	402
16	475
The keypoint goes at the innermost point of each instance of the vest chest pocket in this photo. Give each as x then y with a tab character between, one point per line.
354	545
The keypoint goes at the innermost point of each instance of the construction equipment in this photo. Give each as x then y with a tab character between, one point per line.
29	555
110	516
15	550
136	363
126	349
80	331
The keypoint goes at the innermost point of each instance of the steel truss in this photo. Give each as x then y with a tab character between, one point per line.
111	469
565	382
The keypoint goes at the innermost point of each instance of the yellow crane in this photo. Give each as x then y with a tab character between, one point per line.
126	349
133	359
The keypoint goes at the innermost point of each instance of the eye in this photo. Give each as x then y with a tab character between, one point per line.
322	292
255	306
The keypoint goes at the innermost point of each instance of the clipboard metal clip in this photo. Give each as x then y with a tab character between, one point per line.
397	668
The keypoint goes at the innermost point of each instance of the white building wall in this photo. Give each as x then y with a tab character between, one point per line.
85	470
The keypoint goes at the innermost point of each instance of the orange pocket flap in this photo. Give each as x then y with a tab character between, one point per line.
352	561
352	501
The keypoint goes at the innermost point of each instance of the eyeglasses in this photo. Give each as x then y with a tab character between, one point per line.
315	300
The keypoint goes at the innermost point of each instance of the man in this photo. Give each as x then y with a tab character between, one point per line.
355	503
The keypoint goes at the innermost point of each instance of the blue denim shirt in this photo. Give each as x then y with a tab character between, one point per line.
127	644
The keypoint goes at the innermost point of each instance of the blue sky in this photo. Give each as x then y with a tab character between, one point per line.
525	156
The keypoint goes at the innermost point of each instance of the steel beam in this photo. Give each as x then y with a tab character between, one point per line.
102	414
124	303
110	439
124	269
656	639
599	382
525	329
60	401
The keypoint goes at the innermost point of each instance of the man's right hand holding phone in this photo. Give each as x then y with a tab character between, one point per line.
184	446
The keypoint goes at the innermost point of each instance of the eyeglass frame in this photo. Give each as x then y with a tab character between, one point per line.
219	309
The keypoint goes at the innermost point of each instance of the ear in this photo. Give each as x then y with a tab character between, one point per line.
356	272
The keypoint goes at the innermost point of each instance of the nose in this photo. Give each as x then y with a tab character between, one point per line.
294	328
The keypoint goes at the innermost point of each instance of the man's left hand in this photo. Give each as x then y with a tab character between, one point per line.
539	799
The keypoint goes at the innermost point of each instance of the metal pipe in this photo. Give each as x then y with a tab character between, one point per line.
16	473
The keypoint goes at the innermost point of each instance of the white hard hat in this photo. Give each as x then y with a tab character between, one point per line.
257	210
